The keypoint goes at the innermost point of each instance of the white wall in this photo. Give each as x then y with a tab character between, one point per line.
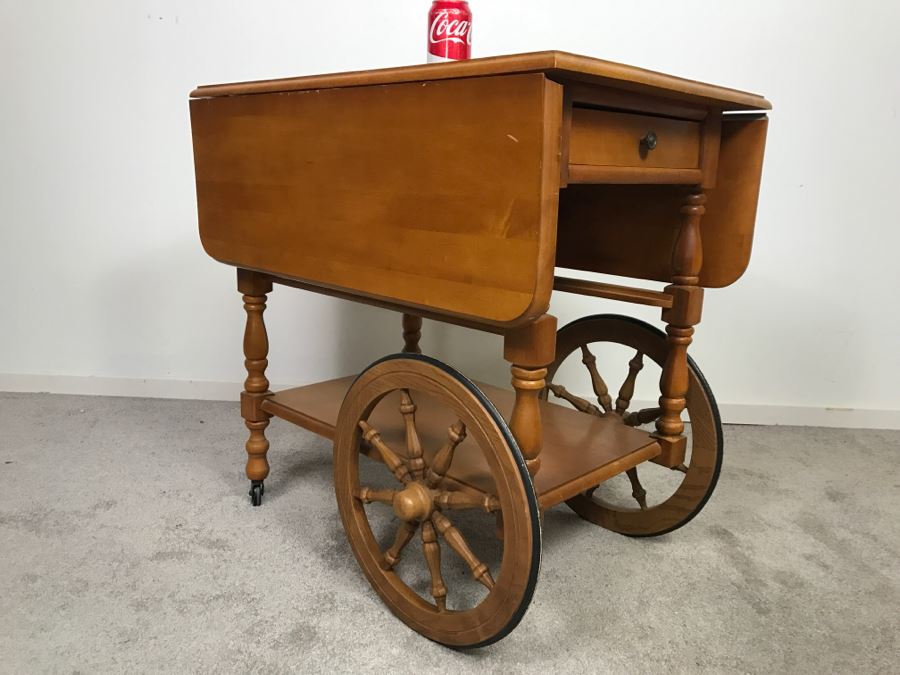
106	288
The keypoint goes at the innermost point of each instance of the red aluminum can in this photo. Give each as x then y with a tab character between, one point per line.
449	31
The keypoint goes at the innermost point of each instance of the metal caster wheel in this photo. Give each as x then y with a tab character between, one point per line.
257	490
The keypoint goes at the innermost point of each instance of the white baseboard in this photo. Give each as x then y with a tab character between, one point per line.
122	386
732	413
841	418
799	416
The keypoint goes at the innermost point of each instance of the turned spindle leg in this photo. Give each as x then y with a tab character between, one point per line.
525	422
529	349
412	333
256	387
687	259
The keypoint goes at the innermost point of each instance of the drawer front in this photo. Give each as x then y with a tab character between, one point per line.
603	138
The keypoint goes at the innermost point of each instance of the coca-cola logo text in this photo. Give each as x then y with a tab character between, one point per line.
445	29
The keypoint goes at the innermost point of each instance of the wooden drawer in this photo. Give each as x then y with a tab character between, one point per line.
614	139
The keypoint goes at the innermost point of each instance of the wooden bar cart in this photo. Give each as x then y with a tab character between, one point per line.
453	192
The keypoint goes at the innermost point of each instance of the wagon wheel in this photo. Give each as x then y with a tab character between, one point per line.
660	499
421	419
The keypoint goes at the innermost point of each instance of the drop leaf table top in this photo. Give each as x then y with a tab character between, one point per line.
454	190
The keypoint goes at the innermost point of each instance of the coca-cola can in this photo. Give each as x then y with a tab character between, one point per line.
449	31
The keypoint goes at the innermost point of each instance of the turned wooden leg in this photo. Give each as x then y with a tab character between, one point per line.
256	387
530	349
412	333
681	318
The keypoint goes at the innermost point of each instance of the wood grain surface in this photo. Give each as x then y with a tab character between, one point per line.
631	230
438	195
605	138
578	452
559	66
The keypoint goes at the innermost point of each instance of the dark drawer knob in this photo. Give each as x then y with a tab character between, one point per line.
648	142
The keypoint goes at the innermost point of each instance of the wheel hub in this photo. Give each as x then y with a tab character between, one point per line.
414	503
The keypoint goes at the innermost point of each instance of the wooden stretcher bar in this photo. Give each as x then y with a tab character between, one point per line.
639	296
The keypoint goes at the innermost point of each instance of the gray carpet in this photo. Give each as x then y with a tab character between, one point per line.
127	544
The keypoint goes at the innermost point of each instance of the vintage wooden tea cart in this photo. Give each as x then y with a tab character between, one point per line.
453	192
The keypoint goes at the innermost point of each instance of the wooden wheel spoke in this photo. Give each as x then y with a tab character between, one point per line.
456	434
637	490
404	533
457	542
388	456
457	500
403	408
368	495
639	417
627	389
432	551
673	500
600	388
413	444
576	401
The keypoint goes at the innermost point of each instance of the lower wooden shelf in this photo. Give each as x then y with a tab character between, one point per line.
579	451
